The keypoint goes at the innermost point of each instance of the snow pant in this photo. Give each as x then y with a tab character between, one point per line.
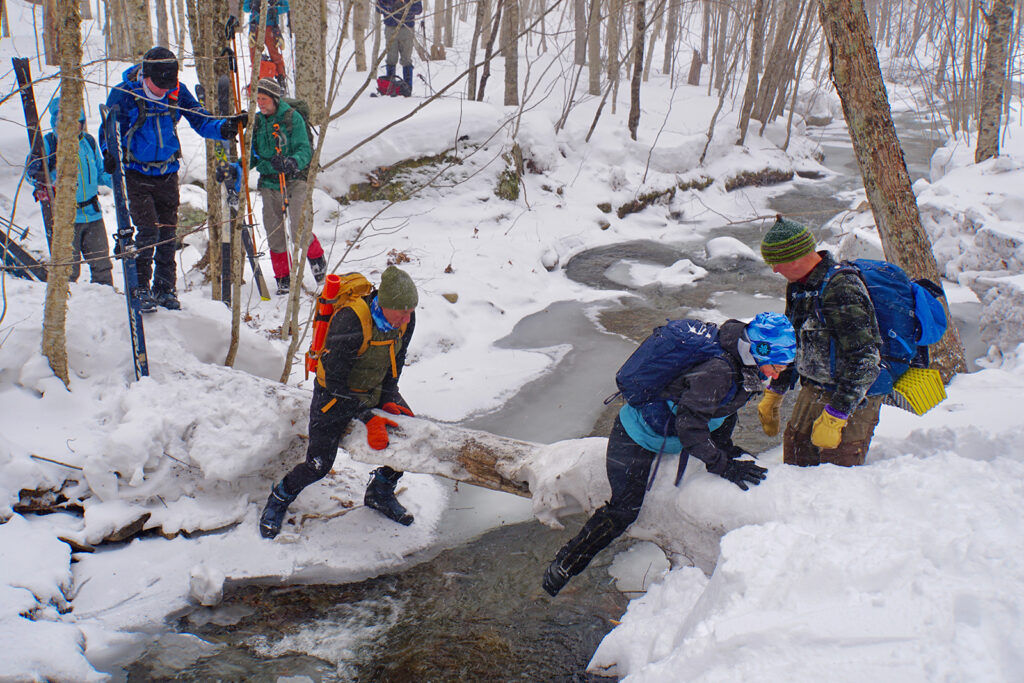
272	40
797	448
273	221
90	244
153	204
628	466
399	40
328	419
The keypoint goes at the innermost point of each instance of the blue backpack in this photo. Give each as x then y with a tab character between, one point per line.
909	314
673	348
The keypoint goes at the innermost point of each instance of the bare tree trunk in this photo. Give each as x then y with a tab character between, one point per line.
671	31
721	68
56	308
639	26
594	48
478	25
493	32
162	38
360	8
510	40
756	47
777	61
612	38
51	32
579	10
438	6
140	30
858	80
449	24
308	18
993	79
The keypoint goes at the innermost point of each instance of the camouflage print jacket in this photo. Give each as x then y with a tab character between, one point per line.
850	329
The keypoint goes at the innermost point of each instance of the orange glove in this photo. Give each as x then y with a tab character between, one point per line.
396	409
377	432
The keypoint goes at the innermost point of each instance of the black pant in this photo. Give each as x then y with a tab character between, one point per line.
153	204
325	432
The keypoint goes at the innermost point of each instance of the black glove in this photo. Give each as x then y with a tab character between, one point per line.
739	472
109	163
229	129
283	164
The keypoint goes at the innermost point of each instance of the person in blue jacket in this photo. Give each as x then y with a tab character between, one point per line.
272	36
730	363
149	102
90	240
399	20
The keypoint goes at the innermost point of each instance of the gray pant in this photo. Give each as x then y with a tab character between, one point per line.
273	220
90	244
399	43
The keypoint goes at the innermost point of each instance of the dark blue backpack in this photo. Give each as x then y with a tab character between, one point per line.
909	314
673	348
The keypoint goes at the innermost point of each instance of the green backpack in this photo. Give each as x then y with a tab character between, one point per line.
303	108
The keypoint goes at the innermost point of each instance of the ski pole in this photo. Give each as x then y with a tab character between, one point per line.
282	183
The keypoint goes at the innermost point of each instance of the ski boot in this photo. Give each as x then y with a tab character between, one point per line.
273	513
283	285
166	298
380	495
318	266
145	299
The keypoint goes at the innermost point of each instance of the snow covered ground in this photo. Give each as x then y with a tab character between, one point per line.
900	570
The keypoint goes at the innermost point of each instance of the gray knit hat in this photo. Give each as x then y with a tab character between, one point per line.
786	241
270	88
397	290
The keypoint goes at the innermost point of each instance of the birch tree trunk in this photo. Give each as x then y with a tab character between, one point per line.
360	9
858	80
999	19
309	17
756	47
639	27
55	312
510	30
594	48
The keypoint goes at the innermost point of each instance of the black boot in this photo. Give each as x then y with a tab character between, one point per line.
407	77
273	513
380	495
318	266
166	298
145	299
283	285
596	534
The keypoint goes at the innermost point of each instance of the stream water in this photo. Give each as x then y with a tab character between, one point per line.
476	611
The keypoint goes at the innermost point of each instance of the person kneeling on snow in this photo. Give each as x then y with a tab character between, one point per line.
683	386
351	384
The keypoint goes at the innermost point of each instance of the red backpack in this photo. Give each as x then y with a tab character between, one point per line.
393	86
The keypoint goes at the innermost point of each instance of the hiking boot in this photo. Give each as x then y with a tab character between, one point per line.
273	513
380	495
555	578
407	77
166	298
145	299
284	285
318	266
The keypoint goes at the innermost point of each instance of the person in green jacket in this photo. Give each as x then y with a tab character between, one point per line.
281	154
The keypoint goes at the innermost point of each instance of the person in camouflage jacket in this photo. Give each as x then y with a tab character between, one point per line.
837	357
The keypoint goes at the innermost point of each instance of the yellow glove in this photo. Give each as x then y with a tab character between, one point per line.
828	430
768	412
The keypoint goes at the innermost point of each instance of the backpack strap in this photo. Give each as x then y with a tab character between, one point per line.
362	311
175	113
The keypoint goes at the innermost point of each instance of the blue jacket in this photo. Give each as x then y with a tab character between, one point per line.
90	167
272	17
393	11
150	146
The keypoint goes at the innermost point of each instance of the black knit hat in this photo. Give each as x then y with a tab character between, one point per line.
270	88
786	241
160	66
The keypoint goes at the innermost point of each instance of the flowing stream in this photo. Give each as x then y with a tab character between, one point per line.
475	611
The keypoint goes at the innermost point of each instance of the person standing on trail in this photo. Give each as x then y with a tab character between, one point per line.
90	239
281	154
150	101
356	374
399	23
683	386
838	355
272	37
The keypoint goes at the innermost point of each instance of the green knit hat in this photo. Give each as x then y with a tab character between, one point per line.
786	241
397	290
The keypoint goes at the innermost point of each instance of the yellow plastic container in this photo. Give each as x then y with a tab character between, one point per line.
918	391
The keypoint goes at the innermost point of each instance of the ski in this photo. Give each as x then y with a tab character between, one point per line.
19	262
123	243
35	141
247	241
